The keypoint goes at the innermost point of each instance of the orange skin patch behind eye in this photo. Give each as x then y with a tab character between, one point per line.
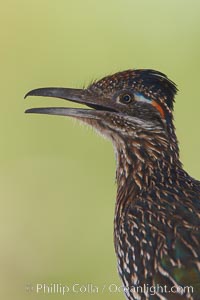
159	108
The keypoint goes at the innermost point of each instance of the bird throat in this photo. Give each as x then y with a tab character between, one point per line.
145	161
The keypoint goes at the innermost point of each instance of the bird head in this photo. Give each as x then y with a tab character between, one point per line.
120	104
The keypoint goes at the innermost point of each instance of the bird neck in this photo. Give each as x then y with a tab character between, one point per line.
148	159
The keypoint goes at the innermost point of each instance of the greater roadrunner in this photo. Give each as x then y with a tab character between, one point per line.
157	216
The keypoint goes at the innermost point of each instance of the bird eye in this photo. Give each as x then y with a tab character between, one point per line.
126	98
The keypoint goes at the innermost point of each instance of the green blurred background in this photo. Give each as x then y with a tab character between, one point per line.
57	178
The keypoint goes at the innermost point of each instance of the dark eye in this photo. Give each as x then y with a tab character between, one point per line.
126	98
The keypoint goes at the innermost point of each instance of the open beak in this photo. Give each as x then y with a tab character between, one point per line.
82	96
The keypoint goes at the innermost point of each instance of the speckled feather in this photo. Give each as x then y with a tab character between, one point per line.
157	225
